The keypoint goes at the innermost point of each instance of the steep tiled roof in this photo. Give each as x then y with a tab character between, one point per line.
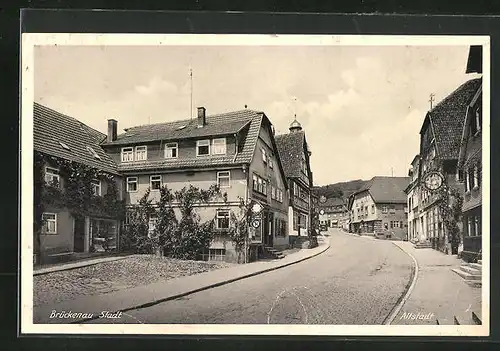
332	202
220	124
51	128
387	189
249	122
291	148
448	117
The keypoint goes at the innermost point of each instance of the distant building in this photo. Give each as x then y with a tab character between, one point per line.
335	214
235	150
380	207
470	166
295	156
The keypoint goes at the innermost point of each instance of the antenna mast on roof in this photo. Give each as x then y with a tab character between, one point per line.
191	81
431	99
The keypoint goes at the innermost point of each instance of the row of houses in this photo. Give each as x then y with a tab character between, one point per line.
450	158
333	213
238	151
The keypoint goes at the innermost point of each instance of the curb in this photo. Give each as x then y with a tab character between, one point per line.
408	290
50	270
206	287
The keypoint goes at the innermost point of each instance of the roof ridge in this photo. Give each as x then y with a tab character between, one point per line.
188	120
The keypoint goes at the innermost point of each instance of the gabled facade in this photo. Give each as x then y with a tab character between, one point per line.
440	139
65	232
335	214
470	165
235	150
295	156
380	207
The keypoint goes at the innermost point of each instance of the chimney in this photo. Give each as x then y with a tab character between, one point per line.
112	130
201	117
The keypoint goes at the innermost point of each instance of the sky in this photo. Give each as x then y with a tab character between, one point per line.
361	106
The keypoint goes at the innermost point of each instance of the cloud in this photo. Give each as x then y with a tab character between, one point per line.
155	86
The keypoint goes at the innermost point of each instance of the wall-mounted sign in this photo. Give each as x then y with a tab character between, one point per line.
433	180
255	223
322	212
256	208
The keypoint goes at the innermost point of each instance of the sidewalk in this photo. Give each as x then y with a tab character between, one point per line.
144	296
76	264
439	293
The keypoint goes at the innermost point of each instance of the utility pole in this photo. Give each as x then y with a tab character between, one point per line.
431	99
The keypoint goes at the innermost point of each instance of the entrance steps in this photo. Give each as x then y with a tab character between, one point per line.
471	273
423	245
273	253
472	318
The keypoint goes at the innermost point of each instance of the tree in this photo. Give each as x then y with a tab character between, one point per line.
239	227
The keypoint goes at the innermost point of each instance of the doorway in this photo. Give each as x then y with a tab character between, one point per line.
79	235
267	229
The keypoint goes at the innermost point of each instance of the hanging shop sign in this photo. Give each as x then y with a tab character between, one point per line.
433	181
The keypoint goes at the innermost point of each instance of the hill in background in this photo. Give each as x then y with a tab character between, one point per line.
339	190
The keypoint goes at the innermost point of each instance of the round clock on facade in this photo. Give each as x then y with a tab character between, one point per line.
322	199
433	181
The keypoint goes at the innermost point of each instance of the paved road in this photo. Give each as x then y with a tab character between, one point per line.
357	281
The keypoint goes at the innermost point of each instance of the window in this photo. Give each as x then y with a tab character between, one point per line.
273	192
477	225
255	183
155	182
373	209
264	156
384	209
460	175
93	153
127	154
280	195
222	220
476	177
95	186
392	209
171	150
52	176
219	146
151	225
213	255
264	187
49	223
223	179
470	228
141	153
131	184
202	147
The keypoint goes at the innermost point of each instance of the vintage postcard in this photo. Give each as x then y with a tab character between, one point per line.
255	184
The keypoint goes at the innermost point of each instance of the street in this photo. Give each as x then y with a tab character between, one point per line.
357	281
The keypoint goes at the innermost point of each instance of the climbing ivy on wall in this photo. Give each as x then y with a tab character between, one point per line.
76	195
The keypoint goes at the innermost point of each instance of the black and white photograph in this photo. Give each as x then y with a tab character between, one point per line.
255	184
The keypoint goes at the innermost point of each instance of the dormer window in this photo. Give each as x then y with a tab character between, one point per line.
64	146
93	153
127	154
203	147
219	146
141	153
171	150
